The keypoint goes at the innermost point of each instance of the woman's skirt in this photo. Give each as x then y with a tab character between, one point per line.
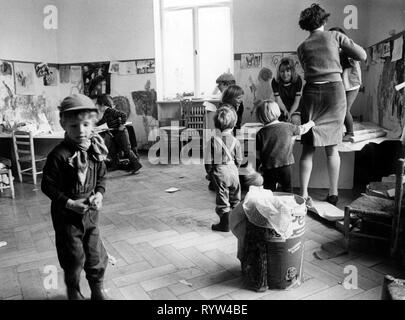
325	104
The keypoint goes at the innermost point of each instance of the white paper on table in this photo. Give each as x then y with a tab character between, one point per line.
209	106
398	49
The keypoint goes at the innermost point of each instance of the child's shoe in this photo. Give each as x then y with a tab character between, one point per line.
98	292
74	294
223	224
137	166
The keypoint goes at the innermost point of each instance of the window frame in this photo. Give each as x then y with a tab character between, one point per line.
159	13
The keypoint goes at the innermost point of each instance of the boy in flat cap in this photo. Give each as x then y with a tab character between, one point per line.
73	178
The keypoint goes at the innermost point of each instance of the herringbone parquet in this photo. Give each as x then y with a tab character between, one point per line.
164	246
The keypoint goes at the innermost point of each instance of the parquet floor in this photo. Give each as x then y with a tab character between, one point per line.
164	246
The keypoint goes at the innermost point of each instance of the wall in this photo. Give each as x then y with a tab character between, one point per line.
378	28
22	35
267	26
100	30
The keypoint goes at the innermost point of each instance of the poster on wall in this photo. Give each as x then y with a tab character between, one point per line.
114	67
96	79
24	78
64	74
7	88
145	66
251	60
51	78
397	50
386	50
127	67
75	74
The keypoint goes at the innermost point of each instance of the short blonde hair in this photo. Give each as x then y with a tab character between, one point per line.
225	118
268	111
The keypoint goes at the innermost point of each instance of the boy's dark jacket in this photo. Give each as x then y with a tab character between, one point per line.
60	180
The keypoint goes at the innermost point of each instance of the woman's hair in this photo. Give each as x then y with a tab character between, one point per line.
313	17
289	64
338	30
225	118
268	111
265	74
230	94
105	100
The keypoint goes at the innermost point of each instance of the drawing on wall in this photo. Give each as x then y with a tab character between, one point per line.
127	67
122	103
75	74
64	74
96	79
145	101
7	88
24	78
386	50
51	78
251	60
145	66
398	49
391	103
114	67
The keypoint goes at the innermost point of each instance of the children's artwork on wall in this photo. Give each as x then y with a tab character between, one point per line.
251	60
114	67
75	74
122	103
24	78
7	88
64	74
271	60
96	79
41	69
127	67
397	51
51	78
386	50
145	66
145	103
6	68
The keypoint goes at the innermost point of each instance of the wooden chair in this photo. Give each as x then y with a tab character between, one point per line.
369	216
393	289
23	144
6	176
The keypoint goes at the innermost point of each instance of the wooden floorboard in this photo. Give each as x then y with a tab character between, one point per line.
165	248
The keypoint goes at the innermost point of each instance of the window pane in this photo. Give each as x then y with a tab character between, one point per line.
215	46
178	52
189	3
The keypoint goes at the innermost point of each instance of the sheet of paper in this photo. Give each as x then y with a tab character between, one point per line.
210	107
397	51
172	189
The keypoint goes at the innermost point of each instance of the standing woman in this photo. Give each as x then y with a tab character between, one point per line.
323	99
287	87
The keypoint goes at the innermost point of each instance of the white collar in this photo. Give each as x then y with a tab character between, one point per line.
271	123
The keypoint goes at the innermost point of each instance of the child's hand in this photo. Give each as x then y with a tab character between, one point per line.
96	201
79	206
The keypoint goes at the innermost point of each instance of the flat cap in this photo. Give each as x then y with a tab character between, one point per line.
77	102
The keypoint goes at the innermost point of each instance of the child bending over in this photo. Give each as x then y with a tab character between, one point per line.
73	178
274	146
223	157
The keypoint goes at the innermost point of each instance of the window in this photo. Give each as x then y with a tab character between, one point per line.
193	46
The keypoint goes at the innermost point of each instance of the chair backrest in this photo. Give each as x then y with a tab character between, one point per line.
399	192
185	111
23	144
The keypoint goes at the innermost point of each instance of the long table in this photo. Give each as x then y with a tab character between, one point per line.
319	177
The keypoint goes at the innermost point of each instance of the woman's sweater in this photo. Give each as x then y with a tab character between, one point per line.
319	55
